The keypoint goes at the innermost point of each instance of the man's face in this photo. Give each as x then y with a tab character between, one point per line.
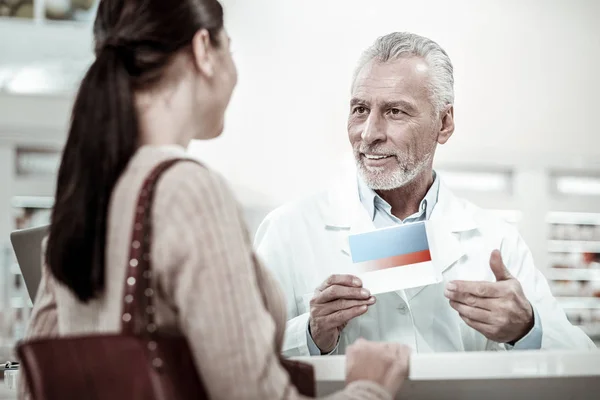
392	125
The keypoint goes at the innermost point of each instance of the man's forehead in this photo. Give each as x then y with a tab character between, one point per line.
402	76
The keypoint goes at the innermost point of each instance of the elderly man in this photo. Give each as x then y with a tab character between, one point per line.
492	297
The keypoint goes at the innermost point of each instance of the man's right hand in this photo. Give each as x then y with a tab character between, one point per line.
338	300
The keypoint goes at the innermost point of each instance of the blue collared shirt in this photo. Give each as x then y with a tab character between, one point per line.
380	212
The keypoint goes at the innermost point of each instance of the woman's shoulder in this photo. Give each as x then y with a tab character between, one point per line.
191	176
191	185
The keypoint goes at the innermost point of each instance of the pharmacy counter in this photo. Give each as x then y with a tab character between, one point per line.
490	375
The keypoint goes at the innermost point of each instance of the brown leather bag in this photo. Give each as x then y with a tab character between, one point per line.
139	363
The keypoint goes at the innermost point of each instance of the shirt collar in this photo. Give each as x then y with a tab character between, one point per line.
372	201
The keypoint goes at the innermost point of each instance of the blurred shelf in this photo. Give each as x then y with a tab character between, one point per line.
573	205
574	246
572	274
579	302
42	21
576	218
32	202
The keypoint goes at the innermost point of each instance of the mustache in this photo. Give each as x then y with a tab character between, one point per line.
376	151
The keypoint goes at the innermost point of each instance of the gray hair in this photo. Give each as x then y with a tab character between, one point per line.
404	44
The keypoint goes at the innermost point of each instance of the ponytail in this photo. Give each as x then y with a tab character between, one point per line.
135	41
102	139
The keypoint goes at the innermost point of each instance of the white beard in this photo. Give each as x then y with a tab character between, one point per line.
405	172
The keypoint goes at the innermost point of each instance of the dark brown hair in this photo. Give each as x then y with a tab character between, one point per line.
134	41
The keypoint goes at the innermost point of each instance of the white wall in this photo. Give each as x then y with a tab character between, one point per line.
526	83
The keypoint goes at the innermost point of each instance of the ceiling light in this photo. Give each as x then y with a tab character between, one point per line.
587	186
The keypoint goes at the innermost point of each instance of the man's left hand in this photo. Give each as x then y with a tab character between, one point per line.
499	310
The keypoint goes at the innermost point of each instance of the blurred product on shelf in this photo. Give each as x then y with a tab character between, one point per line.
29	217
583	232
557	231
83	4
575	288
73	10
586	232
4	325
574	273
23	221
15	304
565	288
58	9
10	379
572	232
595	288
16	8
579	316
592	260
18	325
575	259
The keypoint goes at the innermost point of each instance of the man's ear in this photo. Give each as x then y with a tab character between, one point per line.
447	128
203	52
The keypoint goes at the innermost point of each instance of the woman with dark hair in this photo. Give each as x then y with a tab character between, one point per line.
163	75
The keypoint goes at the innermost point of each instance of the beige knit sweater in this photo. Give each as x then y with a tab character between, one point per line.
209	285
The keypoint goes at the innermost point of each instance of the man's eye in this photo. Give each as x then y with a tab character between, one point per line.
396	111
360	110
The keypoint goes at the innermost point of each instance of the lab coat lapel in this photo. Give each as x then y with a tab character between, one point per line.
345	213
361	222
448	219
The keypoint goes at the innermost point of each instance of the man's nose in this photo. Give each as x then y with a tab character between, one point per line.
373	130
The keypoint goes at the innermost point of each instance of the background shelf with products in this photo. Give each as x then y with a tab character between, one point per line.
558	216
574	273
28	177
49	10
28	212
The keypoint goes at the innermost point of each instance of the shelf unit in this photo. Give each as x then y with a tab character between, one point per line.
569	246
574	273
51	11
27	179
561	228
572	302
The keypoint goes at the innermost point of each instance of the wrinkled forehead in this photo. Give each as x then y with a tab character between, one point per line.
384	81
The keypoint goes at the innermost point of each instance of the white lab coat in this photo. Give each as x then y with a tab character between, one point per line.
304	242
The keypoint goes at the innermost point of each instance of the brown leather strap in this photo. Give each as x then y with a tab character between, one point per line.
138	317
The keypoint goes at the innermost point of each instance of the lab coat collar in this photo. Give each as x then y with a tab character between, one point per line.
346	212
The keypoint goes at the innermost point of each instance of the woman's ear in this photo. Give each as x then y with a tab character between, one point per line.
203	52
447	128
